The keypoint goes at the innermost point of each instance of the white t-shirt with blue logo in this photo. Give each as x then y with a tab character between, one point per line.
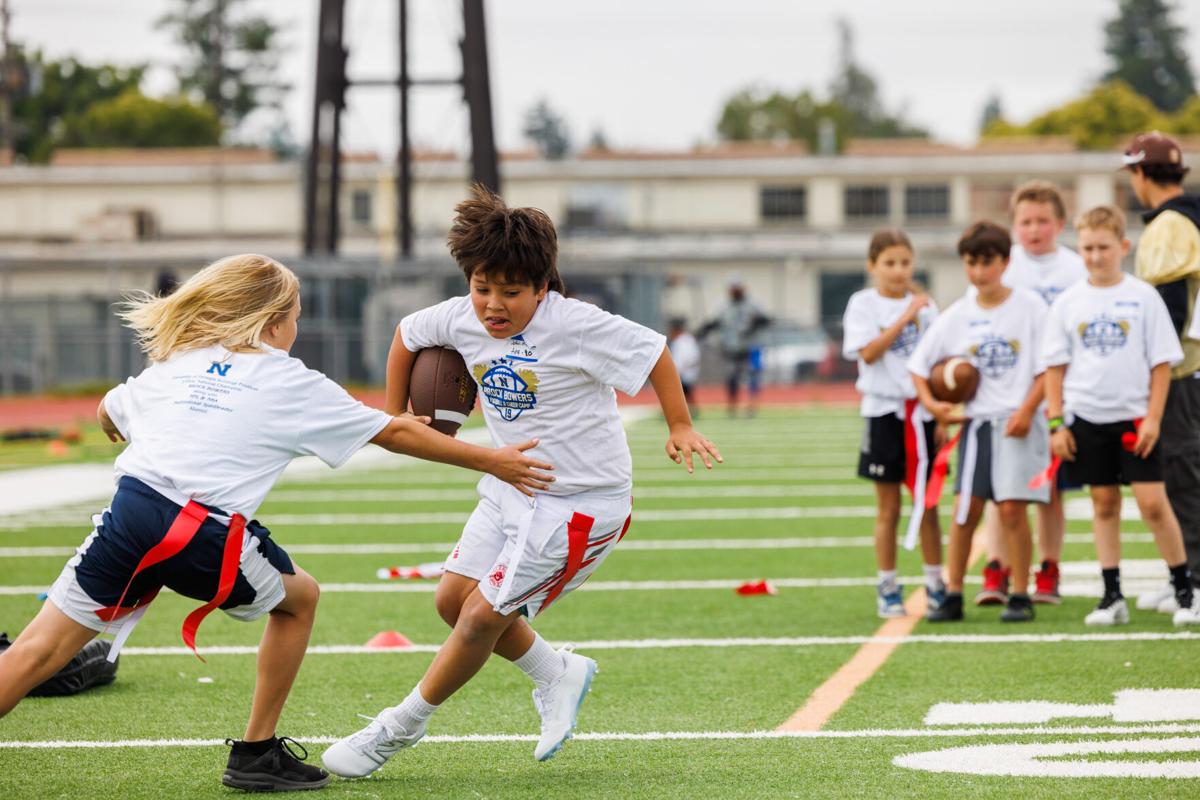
1049	275
885	384
1110	337
553	382
1002	342
219	427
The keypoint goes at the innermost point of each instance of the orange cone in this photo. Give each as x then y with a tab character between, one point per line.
388	640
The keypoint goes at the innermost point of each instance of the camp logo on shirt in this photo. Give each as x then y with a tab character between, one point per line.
906	342
995	355
1048	293
509	390
1104	335
219	369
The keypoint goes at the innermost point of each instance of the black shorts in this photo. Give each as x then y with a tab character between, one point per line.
1102	459
882	457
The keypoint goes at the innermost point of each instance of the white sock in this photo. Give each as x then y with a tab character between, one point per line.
413	709
541	662
933	577
887	580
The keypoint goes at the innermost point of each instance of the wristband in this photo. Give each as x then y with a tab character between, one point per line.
1056	423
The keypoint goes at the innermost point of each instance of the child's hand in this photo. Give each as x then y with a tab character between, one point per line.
1018	425
943	413
915	305
684	441
1147	437
941	435
111	431
511	465
422	420
1062	443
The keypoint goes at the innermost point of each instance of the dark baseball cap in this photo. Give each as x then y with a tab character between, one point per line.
1153	148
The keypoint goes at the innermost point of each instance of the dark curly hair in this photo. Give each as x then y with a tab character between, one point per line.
513	245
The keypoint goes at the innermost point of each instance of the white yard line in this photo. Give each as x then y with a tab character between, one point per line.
658	736
301	496
793	543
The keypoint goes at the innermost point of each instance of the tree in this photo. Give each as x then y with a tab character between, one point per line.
547	130
232	60
56	90
134	120
1097	121
854	107
1147	52
992	110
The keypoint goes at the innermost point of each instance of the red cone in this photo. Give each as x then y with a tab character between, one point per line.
388	640
756	587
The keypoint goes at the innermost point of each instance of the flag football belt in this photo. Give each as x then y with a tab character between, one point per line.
181	532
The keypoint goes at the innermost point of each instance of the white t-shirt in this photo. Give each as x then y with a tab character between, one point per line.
1110	337
219	427
1048	275
686	353
1002	342
885	384
553	382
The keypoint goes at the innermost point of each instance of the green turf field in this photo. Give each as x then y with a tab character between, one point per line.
694	678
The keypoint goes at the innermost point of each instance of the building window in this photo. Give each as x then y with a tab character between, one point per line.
596	207
360	207
866	202
927	201
783	203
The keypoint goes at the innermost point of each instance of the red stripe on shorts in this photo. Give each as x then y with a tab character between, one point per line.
577	542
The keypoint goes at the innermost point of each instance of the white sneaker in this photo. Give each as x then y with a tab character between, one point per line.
1170	605
1150	601
1187	616
362	753
558	704
1115	613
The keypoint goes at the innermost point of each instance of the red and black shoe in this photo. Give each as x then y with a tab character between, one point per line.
995	585
1045	584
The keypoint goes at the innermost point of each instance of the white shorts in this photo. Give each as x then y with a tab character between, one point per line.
263	577
992	466
527	552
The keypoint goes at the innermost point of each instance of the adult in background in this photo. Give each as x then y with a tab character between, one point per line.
738	327
1168	257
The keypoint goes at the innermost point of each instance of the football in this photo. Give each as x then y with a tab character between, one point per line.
440	387
953	380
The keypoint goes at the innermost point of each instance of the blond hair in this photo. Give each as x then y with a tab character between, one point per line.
1106	218
1039	192
230	302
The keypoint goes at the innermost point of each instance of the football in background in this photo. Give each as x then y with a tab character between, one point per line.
441	388
953	380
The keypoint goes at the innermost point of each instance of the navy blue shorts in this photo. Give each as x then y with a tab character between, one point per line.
137	520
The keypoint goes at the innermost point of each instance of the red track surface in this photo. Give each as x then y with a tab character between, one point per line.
36	412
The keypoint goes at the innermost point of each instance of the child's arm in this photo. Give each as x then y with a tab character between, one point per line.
880	344
682	437
1062	441
1022	419
1148	430
942	411
399	370
411	436
107	425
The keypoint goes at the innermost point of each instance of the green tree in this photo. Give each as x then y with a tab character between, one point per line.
1147	52
55	90
134	120
1097	121
854	107
993	110
546	128
232	57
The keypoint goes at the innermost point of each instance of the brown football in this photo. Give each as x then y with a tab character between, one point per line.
953	380
440	387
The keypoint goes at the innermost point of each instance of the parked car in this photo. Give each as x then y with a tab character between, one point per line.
792	353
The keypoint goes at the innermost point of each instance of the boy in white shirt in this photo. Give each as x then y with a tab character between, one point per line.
1040	264
1108	349
211	424
546	367
686	352
1004	444
881	328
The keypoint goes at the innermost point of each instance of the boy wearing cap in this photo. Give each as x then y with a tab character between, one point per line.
1168	258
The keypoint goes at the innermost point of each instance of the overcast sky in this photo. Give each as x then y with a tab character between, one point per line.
649	73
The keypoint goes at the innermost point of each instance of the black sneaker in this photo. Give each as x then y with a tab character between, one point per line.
277	769
1019	609
950	609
